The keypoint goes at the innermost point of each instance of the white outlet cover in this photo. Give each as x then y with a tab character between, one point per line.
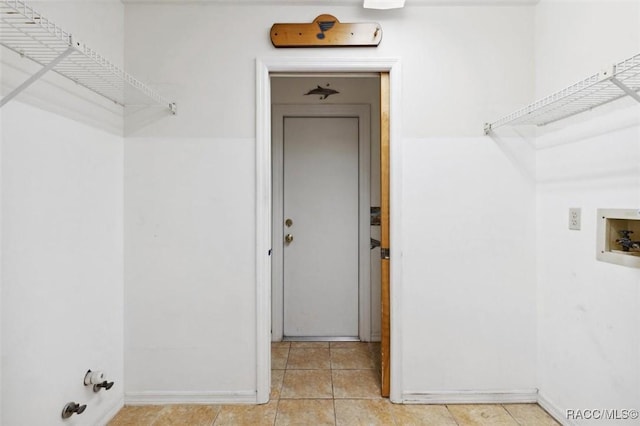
575	214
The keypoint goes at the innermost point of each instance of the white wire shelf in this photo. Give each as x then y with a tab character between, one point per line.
31	35
618	81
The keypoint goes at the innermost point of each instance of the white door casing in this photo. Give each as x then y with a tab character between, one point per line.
265	66
321	280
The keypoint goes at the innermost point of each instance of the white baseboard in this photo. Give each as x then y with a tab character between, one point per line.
559	415
471	397
178	397
110	414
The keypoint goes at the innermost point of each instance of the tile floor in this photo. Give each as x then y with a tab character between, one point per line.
337	383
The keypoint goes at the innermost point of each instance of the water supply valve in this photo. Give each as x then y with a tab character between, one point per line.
97	379
71	408
104	385
626	242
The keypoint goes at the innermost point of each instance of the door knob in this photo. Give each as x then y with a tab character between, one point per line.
288	238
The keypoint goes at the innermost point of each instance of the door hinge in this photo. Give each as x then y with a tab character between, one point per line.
385	253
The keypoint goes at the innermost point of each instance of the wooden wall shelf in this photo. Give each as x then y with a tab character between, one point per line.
326	31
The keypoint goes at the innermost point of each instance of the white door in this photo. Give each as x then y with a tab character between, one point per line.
321	229
321	203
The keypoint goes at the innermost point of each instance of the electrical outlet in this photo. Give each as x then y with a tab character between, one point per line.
574	218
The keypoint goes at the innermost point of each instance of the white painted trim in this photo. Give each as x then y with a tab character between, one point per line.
182	397
413	3
471	397
263	202
111	412
395	230
263	233
1	273
364	224
277	214
363	112
553	410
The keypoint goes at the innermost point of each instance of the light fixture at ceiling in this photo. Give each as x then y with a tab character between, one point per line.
383	4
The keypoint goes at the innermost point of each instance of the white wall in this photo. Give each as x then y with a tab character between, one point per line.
588	311
62	266
189	225
189	211
189	201
61	220
470	204
1	261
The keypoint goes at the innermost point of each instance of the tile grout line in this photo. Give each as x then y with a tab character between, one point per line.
452	415
275	417
216	416
511	415
286	367
333	392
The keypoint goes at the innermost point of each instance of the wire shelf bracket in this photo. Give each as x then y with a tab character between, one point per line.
31	35
615	82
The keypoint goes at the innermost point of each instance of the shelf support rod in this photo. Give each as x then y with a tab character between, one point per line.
36	76
625	89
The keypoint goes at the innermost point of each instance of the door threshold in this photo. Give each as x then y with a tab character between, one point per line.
320	339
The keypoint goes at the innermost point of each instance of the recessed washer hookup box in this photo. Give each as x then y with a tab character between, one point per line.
618	239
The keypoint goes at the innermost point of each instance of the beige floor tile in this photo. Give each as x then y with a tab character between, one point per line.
280	345
530	415
305	412
304	397
247	415
277	376
349	345
354	359
308	359
143	415
369	412
309	345
481	415
356	384
187	415
375	350
279	358
422	415
307	384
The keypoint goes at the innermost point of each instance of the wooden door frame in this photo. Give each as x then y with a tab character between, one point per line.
385	243
363	113
265	66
